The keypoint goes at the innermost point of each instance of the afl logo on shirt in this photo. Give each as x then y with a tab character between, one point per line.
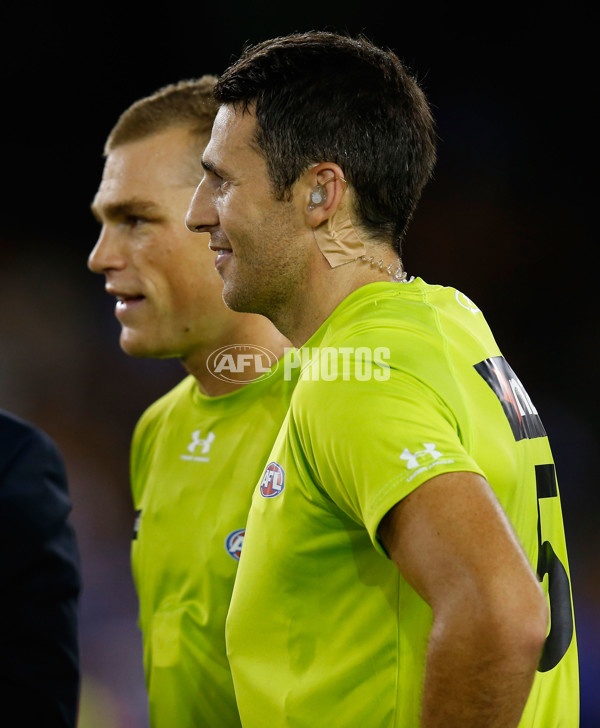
272	481
234	543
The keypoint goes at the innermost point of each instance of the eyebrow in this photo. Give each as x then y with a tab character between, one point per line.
211	167
123	209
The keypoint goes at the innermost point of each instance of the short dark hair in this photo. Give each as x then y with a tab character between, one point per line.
327	97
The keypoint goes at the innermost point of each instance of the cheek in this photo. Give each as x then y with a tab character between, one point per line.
198	289
239	211
229	222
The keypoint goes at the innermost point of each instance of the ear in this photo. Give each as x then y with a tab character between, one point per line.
324	187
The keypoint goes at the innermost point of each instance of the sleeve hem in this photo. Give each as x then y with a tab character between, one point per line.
397	489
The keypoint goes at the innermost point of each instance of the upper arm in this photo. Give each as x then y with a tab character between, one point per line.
453	544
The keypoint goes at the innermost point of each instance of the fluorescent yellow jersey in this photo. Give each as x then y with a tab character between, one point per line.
403	382
195	461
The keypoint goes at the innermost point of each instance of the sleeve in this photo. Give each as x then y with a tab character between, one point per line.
39	582
370	442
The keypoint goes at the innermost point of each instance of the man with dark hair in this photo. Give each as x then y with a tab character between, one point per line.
198	450
389	569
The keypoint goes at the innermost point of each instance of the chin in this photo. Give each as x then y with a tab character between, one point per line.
138	352
138	347
241	301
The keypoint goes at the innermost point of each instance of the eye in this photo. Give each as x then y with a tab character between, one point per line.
221	184
134	221
218	182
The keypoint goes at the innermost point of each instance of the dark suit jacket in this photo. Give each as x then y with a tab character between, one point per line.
39	582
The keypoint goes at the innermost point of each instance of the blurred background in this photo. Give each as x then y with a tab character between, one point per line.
507	219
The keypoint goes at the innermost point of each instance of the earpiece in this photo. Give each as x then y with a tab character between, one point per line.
318	196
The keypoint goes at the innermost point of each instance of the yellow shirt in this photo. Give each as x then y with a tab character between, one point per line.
194	463
322	629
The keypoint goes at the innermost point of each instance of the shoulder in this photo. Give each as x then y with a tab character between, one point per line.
404	307
33	481
391	315
420	330
181	395
21	439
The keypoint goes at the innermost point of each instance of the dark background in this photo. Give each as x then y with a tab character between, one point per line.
507	219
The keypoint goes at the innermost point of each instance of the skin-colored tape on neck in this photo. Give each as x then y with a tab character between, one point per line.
337	239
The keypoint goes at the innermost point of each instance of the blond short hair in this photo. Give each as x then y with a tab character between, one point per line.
189	103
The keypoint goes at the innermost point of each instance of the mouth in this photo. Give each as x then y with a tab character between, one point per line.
223	254
126	303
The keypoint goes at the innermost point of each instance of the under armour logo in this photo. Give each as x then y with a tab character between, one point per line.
412	458
203	443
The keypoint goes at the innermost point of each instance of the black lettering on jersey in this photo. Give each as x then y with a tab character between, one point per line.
136	524
518	407
559	587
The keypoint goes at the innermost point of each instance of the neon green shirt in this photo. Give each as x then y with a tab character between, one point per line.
322	629
194	463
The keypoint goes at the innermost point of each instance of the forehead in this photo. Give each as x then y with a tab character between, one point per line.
232	144
149	167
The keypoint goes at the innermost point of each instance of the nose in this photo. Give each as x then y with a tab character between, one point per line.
105	255
202	214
